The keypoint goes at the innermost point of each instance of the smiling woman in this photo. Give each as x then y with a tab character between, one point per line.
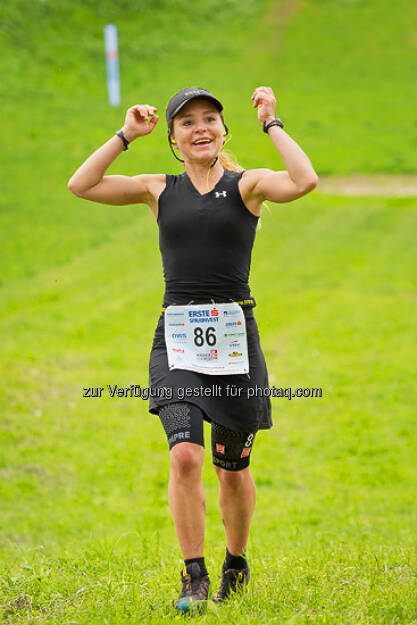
188	117
206	336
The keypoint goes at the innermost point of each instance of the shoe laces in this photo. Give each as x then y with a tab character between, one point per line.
229	580
196	586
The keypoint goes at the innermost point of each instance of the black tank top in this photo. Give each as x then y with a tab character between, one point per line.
205	241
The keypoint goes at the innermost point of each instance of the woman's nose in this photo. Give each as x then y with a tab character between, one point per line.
200	124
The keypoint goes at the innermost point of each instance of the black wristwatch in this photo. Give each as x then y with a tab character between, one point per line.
120	134
275	122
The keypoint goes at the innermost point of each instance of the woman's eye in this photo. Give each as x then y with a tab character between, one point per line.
187	122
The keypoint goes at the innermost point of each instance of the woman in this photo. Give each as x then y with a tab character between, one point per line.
206	354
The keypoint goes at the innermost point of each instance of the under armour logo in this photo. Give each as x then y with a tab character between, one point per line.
221	193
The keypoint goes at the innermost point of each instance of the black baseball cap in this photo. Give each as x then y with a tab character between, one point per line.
181	98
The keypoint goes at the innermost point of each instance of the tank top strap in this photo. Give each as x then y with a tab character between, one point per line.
170	181
231	179
174	183
230	183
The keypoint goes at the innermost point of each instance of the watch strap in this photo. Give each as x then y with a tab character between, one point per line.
275	122
120	134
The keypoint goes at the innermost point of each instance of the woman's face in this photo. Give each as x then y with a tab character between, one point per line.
198	130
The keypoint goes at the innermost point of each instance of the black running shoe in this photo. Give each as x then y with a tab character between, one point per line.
195	589
233	580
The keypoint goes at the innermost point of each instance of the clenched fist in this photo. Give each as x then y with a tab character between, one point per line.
140	120
264	100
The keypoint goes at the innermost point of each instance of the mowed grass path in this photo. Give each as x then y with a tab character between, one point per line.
87	535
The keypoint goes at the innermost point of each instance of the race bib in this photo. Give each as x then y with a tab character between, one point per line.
207	338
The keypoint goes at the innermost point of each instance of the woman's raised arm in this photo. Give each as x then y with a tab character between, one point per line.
300	177
89	181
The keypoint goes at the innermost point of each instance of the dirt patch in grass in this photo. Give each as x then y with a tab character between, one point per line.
401	185
23	602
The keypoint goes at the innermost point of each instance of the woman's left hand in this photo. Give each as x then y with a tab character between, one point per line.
264	100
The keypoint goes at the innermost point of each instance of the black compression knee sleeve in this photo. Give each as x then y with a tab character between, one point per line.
230	449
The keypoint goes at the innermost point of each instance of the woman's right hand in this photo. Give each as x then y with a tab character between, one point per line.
140	120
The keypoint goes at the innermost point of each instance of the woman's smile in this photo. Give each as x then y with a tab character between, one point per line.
199	143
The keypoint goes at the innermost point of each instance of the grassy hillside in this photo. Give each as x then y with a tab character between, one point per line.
343	73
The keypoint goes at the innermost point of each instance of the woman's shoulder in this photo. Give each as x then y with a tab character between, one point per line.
251	177
154	178
259	172
247	184
155	183
247	177
165	178
161	184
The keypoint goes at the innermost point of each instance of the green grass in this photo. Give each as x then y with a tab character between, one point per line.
87	531
87	535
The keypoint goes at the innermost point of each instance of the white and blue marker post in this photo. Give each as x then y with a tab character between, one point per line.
112	64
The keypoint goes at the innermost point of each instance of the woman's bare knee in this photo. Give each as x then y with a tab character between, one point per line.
186	458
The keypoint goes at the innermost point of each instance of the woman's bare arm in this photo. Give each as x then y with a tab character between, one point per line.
300	177
89	181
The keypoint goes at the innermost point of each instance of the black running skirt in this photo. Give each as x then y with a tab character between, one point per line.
244	410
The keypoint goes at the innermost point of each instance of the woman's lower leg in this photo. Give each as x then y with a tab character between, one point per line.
186	498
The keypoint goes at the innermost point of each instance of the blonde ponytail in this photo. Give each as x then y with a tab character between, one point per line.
229	161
